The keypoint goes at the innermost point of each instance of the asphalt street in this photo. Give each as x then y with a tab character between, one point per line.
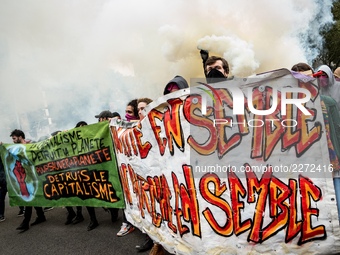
54	237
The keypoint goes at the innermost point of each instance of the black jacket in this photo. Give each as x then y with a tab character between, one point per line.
2	173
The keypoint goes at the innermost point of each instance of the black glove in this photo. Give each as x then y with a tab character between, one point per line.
204	55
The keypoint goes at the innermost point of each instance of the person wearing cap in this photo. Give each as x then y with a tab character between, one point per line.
104	115
72	216
113	211
107	115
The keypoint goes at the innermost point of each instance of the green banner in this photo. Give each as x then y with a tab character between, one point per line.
75	167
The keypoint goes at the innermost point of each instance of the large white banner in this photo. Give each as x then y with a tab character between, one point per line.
231	168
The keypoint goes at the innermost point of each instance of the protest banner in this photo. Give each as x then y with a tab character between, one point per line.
237	167
75	167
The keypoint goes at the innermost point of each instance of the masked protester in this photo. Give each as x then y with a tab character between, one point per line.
216	69
177	83
328	85
131	111
131	114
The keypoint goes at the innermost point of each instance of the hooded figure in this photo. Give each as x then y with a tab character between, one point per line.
330	87
177	83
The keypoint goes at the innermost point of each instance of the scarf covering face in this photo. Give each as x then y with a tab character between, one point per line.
179	81
129	118
215	76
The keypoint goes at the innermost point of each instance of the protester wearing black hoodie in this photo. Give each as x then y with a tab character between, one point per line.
177	83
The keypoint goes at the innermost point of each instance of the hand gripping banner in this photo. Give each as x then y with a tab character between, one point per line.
236	167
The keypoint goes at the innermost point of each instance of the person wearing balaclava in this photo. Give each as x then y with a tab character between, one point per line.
177	83
330	92
216	69
328	85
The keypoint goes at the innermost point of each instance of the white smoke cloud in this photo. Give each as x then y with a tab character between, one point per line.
81	57
240	53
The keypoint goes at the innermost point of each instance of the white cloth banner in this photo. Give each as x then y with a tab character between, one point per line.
203	174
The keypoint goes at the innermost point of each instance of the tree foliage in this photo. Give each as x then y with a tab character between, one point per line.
330	53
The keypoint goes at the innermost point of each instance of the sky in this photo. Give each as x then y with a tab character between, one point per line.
63	61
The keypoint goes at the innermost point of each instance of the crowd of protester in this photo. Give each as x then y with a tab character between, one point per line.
216	69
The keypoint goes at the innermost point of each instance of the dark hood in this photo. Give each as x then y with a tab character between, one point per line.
180	81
